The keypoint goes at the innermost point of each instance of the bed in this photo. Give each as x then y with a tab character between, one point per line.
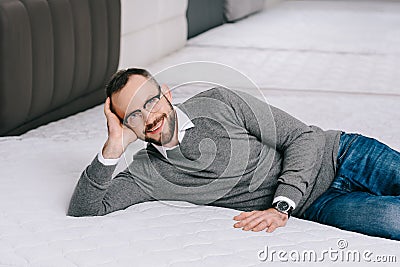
350	84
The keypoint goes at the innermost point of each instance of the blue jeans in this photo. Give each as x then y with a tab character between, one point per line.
364	197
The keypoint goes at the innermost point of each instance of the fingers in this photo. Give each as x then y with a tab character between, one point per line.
112	118
261	226
252	219
256	221
259	220
272	227
107	109
244	215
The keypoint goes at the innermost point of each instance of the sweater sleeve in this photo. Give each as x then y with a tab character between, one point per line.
97	193
297	142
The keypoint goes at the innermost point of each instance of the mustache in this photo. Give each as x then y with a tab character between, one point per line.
155	122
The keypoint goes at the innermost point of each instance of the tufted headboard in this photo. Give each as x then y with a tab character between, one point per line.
55	58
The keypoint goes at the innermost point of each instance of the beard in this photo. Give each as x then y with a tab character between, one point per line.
168	130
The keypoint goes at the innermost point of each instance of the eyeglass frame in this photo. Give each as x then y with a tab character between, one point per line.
139	111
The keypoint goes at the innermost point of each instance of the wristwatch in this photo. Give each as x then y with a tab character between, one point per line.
283	207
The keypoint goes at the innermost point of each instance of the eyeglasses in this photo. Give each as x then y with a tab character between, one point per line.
135	118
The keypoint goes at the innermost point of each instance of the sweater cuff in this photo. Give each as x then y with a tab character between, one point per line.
291	192
99	173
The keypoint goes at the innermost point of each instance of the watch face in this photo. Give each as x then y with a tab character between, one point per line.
282	205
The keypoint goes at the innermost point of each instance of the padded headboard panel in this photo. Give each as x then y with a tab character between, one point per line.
203	15
55	58
150	30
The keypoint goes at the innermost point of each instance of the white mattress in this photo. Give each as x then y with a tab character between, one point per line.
39	169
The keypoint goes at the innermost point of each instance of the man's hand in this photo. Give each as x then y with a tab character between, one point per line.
258	220
119	136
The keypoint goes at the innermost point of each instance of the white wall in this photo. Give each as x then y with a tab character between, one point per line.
269	3
151	29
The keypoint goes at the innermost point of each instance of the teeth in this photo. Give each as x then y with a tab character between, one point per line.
158	125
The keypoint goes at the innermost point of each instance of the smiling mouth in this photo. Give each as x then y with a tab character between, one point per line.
156	128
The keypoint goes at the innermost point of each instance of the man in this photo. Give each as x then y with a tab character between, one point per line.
229	149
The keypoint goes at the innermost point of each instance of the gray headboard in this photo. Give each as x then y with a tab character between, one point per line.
55	58
203	15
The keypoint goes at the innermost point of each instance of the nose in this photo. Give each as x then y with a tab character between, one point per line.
145	114
148	117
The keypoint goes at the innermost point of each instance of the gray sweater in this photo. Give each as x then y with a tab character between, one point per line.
240	154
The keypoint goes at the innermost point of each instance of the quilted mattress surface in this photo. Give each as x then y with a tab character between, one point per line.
39	171
40	168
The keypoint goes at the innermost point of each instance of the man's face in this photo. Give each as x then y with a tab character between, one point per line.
146	110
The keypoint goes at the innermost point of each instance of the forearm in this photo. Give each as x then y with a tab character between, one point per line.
300	145
300	157
87	199
97	193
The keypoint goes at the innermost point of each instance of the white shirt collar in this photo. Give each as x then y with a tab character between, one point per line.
184	123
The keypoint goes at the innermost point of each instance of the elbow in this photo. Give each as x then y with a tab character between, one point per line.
79	211
76	214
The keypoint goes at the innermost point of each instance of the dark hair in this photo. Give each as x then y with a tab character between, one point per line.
120	78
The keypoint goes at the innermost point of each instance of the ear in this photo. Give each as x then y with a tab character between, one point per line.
166	92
